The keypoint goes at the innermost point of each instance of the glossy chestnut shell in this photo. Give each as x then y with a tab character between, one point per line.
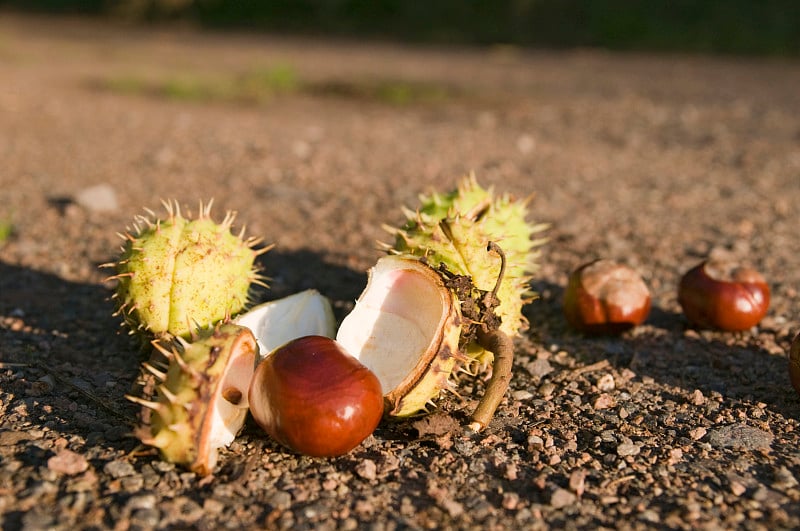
723	296
794	363
314	398
604	297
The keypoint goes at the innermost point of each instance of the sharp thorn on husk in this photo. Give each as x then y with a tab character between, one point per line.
149	404
160	375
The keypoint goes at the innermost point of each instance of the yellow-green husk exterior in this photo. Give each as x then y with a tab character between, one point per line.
177	274
201	396
455	228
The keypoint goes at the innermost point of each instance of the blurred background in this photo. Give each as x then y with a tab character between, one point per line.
763	27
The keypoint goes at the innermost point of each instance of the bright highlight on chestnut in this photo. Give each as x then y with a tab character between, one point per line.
723	296
313	397
604	297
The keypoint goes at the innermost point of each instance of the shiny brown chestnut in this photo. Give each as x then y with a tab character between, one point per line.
794	363
724	296
605	297
313	397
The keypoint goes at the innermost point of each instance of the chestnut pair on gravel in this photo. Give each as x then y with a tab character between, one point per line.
604	297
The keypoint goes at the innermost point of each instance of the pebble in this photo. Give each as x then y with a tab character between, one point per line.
697	433
119	469
784	479
98	198
562	498
547	389
697	398
145	518
280	500
740	436
12	437
367	469
67	462
606	383
625	449
522	394
604	401
141	501
539	368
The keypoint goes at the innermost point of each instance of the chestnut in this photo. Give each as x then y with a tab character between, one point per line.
794	363
313	397
724	296
605	297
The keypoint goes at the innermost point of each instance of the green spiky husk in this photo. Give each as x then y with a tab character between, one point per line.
454	229
435	379
183	418
177	274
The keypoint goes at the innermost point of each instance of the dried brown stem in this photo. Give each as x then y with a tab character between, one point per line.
502	346
499	344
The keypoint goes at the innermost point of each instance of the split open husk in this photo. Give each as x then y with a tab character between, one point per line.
405	327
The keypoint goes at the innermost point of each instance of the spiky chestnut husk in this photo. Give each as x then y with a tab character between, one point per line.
405	328
458	242
454	229
201	395
177	274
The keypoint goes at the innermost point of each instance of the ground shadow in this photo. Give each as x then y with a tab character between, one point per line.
68	359
290	272
670	352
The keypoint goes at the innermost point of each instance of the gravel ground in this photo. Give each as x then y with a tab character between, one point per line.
654	161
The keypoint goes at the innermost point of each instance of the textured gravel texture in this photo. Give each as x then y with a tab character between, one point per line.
654	161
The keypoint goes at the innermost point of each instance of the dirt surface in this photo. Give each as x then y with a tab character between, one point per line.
654	161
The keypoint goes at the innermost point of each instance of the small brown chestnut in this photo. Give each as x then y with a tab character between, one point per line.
313	397
794	363
605	297
724	296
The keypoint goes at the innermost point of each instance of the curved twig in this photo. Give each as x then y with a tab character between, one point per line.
499	344
502	347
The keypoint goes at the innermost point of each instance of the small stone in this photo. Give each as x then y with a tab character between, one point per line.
522	394
539	367
737	488
626	449
212	506
367	469
12	437
697	433
577	482
604	401
68	462
98	198
784	479
141	501
119	469
649	515
536	442
510	501
280	500
453	508
145	518
562	498
697	398
606	383
675	456
547	389
740	436
83	483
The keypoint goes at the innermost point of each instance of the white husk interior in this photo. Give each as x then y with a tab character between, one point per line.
227	418
277	322
393	322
